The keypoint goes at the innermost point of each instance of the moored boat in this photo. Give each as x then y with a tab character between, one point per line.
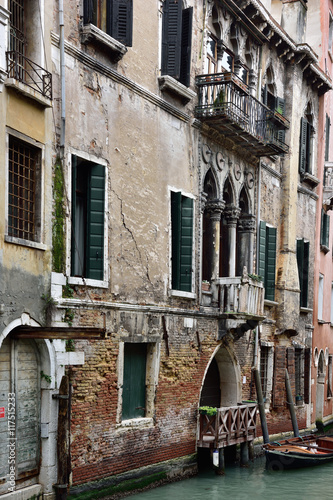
299	452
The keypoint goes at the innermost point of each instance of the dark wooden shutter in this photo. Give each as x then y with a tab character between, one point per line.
176	238
171	38
325	229
327	137
95	223
73	213
270	263
307	368
262	250
186	244
303	249
134	382
280	105
303	146
120	20
89	11
185	62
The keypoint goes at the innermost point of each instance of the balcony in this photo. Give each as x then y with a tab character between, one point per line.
231	425
328	186
28	77
225	104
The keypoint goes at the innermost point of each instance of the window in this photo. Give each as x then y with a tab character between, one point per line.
114	17
267	257
227	63
299	375
320	297
134	381
24	196
266	371
88	193
276	104
325	230
327	138
330	33
303	270
176	41
182	241
305	151
329	378
263	369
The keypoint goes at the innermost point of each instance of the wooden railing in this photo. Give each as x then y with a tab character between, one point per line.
230	425
241	294
224	96
28	72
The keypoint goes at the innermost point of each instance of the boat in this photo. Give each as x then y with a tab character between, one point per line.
294	453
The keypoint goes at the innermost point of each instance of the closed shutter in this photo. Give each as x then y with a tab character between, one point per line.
134	382
89	11
171	38
74	256
303	270
95	223
307	368
186	244
270	263
327	137
281	107
325	229
185	63
303	146
262	250
120	20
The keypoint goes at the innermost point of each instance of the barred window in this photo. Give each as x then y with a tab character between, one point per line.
24	175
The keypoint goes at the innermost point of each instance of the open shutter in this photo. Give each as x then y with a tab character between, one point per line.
134	382
262	250
327	137
120	21
89	11
186	244
280	105
300	264
185	63
171	38
73	246
325	228
307	368
270	263
176	238
303	146
95	223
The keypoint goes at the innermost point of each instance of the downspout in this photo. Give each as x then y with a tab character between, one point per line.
62	77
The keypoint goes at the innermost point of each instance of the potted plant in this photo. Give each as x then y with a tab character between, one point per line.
205	286
210	411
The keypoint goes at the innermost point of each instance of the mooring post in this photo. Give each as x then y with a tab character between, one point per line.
220	469
244	454
290	403
261	406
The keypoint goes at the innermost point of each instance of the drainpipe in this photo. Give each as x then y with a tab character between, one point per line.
62	76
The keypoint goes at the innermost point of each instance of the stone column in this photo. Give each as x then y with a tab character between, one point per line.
232	214
215	208
246	230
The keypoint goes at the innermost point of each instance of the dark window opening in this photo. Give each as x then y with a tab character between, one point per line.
303	248
114	17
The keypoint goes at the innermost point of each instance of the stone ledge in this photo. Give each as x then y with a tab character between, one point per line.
24	494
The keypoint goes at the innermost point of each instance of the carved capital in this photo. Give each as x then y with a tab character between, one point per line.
215	208
232	213
247	223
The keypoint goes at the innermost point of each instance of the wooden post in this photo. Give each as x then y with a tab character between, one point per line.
244	454
251	450
261	406
220	470
291	407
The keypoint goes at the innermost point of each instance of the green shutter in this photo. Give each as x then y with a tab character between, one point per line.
303	249
270	263
303	146
186	244
73	250
280	105
262	250
185	58
176	238
171	37
95	223
134	381
325	229
120	20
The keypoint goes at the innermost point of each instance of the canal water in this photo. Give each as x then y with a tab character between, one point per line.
253	482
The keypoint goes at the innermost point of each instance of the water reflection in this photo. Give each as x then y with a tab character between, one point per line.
254	482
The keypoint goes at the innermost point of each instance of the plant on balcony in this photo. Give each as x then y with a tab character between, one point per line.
255	277
210	411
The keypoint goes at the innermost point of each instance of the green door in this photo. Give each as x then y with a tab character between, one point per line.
134	383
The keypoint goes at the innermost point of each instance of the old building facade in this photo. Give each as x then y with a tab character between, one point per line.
181	143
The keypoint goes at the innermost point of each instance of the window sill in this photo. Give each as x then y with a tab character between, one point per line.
270	303
310	179
27	91
72	280
25	243
324	248
169	84
305	310
90	33
179	293
137	423
322	322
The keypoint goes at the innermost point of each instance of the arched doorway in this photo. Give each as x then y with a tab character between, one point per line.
20	399
221	385
320	386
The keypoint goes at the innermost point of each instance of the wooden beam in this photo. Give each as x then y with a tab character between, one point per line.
65	333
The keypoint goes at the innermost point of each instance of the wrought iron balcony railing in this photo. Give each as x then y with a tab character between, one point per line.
28	72
224	103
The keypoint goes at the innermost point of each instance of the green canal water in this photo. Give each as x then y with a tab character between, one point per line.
254	482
